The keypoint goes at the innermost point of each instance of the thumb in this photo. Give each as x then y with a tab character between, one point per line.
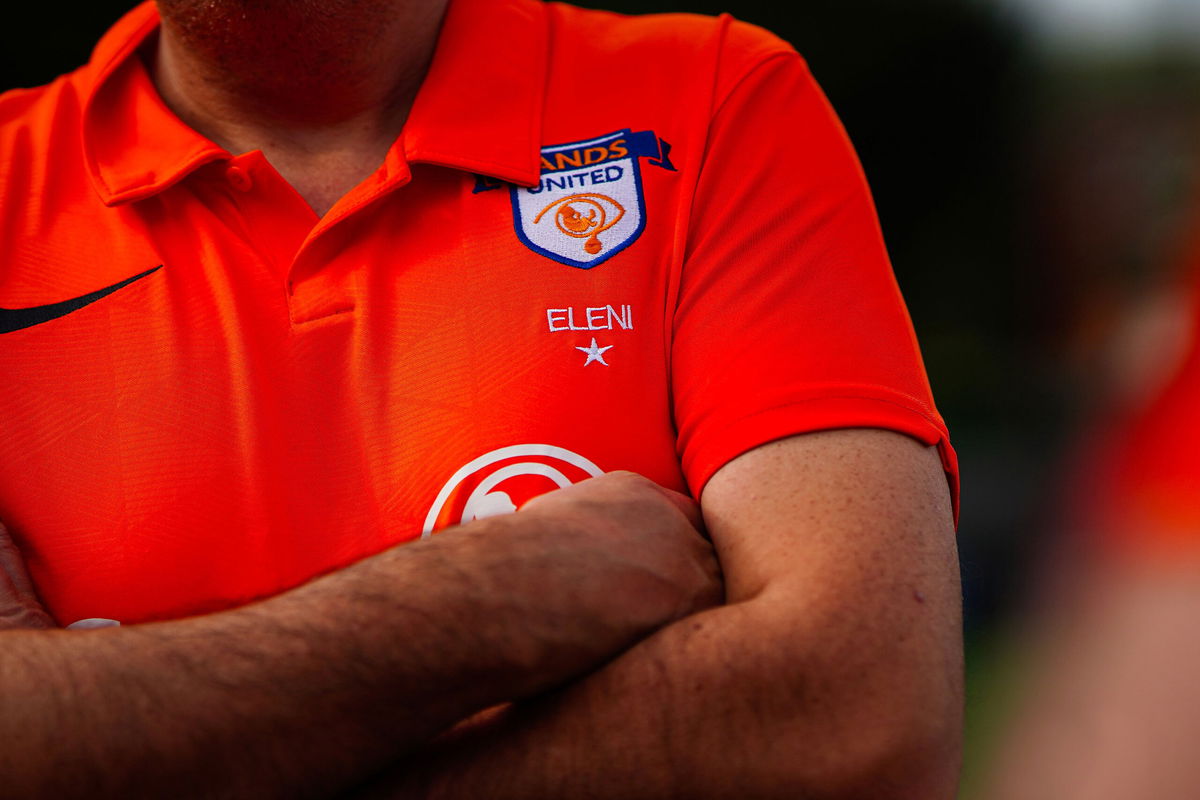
687	506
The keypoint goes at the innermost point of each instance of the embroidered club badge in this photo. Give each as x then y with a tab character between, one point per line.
589	204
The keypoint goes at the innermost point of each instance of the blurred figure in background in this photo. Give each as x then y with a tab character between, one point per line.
1108	705
1112	709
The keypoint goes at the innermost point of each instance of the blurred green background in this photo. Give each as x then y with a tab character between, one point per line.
1033	163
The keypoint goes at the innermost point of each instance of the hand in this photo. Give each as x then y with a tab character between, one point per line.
19	604
617	557
643	532
591	569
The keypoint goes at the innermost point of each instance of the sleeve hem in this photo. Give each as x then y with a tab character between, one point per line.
819	414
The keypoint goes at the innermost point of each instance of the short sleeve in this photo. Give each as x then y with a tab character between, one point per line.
788	318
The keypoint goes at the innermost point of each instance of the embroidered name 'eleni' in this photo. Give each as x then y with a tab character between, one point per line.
592	318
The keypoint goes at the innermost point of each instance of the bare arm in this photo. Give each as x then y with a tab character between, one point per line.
310	691
835	670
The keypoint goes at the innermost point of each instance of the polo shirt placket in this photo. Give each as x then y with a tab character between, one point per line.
598	243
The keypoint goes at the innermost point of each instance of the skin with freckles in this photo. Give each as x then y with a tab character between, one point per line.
833	670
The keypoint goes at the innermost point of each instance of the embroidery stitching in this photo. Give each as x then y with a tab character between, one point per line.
590	190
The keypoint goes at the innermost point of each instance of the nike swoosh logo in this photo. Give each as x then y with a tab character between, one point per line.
15	319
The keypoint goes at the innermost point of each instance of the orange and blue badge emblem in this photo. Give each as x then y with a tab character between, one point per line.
589	203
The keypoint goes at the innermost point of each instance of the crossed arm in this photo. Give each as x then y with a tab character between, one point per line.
834	670
306	693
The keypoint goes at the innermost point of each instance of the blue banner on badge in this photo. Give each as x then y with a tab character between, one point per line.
589	204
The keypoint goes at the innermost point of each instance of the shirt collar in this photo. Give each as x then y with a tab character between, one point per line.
479	108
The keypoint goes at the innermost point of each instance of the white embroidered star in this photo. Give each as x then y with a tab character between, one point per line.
594	353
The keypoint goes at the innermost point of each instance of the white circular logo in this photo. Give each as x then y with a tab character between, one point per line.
500	481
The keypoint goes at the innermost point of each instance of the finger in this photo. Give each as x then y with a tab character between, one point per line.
22	618
20	606
13	565
9	594
687	506
20	611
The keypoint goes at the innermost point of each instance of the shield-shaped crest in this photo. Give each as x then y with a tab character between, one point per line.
588	205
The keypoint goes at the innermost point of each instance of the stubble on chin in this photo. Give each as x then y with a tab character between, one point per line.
277	48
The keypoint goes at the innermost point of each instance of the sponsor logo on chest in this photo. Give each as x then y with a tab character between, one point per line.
501	481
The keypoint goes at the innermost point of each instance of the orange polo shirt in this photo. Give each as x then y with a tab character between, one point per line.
599	243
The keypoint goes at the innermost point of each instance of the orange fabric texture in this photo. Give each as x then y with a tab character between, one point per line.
519	297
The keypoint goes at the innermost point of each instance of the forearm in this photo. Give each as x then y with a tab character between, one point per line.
735	702
294	696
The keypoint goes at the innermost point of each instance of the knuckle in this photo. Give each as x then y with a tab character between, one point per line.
630	481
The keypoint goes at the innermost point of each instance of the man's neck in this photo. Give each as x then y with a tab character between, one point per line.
322	87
